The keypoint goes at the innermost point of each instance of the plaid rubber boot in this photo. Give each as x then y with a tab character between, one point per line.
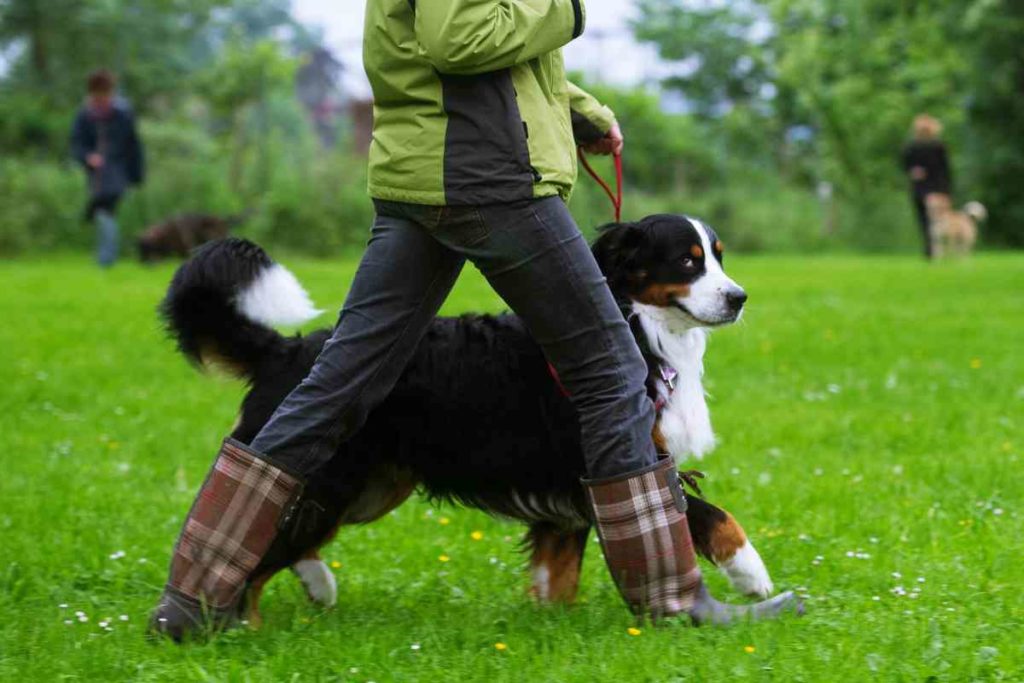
641	522
234	519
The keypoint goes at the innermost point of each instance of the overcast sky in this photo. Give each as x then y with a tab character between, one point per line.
605	52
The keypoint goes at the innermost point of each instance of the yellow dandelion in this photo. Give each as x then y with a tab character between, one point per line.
633	631
444	521
749	649
477	535
975	363
500	647
444	558
1007	446
335	565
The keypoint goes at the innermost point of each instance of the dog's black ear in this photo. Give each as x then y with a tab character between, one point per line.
617	250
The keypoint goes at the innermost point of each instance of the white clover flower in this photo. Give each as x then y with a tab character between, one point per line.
414	647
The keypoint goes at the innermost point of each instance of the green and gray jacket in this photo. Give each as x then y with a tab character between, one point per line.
471	104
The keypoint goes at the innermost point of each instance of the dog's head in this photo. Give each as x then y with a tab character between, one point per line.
672	263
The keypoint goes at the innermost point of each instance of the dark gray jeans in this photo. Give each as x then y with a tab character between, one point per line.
534	256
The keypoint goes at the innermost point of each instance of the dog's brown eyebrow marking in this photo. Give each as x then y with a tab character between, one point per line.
719	246
696	251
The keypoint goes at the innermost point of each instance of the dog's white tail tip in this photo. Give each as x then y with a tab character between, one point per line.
275	297
976	210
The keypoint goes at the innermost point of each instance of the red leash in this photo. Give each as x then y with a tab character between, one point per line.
616	196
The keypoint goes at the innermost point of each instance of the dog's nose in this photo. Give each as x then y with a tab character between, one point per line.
736	298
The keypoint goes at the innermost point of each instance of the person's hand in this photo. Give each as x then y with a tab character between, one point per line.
611	143
94	160
918	173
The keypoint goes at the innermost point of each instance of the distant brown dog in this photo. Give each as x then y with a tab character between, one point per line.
179	235
953	232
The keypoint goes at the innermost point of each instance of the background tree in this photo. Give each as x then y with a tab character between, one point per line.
995	113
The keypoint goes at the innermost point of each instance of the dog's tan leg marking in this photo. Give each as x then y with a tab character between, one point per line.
736	556
555	563
252	599
726	538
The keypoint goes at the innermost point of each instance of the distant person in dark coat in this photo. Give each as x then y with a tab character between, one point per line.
927	165
105	141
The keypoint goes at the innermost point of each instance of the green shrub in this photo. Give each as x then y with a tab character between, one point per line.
41	205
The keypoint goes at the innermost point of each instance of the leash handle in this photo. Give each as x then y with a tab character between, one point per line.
616	196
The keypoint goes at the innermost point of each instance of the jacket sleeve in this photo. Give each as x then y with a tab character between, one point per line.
80	146
591	120
465	37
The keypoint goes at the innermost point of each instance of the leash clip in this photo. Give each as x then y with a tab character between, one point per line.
668	376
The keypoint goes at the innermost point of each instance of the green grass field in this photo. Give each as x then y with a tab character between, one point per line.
869	410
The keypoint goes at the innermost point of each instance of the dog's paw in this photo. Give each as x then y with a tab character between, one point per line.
318	581
747	573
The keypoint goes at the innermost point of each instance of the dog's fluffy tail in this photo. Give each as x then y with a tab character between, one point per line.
976	210
223	300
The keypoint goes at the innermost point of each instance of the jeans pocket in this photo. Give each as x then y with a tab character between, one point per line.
462	225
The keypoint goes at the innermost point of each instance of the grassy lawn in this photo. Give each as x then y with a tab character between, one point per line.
869	410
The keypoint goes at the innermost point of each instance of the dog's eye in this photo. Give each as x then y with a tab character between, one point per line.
688	262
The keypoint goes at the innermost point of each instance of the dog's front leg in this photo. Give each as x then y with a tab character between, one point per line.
719	538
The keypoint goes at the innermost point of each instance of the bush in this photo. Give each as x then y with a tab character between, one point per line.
298	196
41	205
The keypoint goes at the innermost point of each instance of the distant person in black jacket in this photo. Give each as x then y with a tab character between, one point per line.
105	141
927	165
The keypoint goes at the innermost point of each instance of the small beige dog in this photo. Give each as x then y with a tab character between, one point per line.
953	232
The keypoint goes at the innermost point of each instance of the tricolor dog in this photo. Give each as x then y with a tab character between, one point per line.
477	418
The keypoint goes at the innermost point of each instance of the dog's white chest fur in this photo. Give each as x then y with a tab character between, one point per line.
685	421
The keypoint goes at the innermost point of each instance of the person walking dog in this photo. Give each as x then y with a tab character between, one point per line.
473	158
926	164
104	140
